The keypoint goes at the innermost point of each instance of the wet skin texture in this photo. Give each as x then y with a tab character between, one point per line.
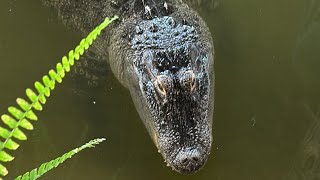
162	52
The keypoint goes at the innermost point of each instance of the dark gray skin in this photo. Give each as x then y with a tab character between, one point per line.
162	52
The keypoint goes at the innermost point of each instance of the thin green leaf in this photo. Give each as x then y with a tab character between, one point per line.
17	113
88	42
65	64
60	70
10	144
49	166
3	170
5	157
37	106
77	53
33	174
40	88
17	133
47	91
25	176
26	124
8	120
4	133
42	98
63	158
34	99
55	76
82	46
23	104
31	115
71	57
47	82
42	169
31	95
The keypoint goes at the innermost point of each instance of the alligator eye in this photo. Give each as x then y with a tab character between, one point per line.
192	81
188	80
159	87
162	84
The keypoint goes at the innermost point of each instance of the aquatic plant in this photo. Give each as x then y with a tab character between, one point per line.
45	167
21	116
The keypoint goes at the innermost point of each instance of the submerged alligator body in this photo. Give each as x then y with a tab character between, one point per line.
162	51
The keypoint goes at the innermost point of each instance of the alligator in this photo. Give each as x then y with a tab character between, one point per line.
162	51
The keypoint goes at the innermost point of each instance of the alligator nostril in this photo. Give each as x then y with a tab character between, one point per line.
188	80
196	159
184	161
189	160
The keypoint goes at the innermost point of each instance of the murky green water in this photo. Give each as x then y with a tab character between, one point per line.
266	123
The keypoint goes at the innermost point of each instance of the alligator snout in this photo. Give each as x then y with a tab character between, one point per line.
184	143
188	160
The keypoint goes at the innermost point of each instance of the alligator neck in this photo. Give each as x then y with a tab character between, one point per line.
85	15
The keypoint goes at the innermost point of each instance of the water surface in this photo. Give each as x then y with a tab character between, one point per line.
266	104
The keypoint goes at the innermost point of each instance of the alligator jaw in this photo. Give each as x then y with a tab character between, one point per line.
188	156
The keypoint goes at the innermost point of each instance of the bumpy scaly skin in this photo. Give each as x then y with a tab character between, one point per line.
167	55
162	52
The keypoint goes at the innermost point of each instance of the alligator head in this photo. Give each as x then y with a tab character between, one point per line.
172	88
162	51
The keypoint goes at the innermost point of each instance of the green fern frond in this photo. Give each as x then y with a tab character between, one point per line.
45	167
20	117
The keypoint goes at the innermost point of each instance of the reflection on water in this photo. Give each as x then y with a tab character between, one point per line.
266	123
307	162
306	61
